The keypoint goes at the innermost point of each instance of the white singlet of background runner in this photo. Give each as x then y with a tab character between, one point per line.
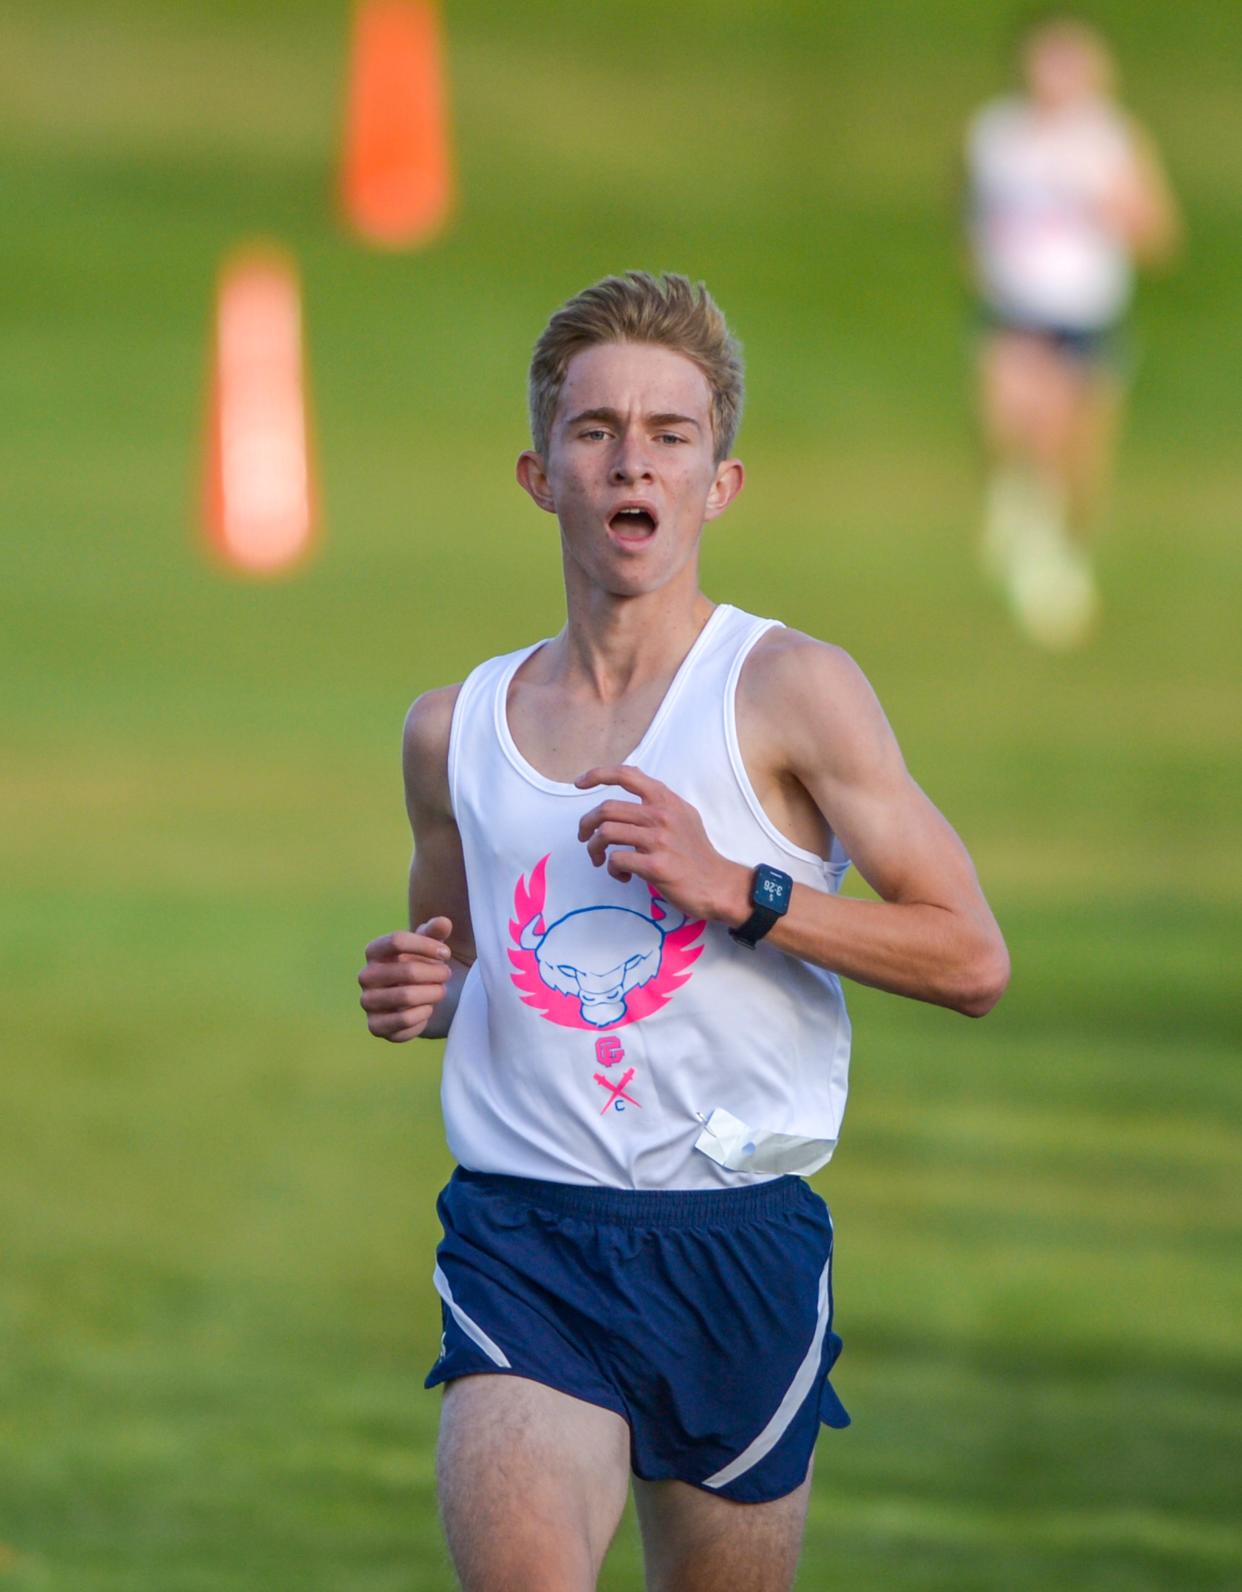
1040	183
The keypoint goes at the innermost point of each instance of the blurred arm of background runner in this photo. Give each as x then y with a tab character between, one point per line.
1143	209
413	978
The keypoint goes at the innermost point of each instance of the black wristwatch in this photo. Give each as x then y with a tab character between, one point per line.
769	896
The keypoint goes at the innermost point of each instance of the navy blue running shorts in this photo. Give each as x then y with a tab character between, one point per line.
703	1318
1104	348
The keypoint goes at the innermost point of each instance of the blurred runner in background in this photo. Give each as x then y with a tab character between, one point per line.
1066	193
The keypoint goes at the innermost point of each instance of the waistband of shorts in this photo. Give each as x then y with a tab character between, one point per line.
726	1207
1098	333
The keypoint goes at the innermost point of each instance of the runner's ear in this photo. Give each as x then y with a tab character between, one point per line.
730	479
533	478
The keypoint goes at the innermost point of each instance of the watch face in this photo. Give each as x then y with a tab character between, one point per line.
771	889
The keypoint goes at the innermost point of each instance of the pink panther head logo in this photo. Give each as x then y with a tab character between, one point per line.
602	966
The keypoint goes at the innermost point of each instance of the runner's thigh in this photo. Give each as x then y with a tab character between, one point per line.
531	1482
695	1541
1030	395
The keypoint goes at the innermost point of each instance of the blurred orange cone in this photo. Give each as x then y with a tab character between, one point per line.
397	184
258	504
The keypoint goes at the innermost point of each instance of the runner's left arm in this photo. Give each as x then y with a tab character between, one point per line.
931	935
1144	208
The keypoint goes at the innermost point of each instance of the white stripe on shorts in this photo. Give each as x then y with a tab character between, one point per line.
804	1379
472	1329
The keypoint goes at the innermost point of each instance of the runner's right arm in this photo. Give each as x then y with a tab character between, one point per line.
413	978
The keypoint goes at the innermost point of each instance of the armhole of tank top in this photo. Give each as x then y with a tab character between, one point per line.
469	689
834	865
484	687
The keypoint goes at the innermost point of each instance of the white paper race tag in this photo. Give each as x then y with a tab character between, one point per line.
733	1144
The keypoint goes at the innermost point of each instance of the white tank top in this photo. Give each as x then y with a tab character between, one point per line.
1046	254
598	1028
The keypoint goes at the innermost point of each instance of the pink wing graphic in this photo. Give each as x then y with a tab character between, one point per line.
677	956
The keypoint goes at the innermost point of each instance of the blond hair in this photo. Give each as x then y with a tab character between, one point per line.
667	310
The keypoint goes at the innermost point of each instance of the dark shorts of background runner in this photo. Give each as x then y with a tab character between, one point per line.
1107	349
703	1319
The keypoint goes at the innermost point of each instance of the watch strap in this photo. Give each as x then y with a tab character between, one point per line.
755	927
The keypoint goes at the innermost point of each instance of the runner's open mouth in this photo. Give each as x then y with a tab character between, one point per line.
633	522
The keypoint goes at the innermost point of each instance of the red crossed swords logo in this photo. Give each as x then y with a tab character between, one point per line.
616	1091
607	1050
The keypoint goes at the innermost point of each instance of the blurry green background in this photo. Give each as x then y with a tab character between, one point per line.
216	1192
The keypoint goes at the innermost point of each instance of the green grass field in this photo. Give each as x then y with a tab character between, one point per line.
215	1190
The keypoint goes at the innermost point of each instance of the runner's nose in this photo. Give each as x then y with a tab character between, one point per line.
630	462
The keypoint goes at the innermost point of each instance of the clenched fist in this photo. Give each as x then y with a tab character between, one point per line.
405	977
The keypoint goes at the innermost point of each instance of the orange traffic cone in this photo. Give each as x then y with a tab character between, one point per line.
258	500
397	182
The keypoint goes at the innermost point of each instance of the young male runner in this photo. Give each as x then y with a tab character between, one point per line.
628	843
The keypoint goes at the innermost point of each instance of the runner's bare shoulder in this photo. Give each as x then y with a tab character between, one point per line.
796	683
425	745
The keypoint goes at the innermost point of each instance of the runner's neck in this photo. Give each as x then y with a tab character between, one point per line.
624	645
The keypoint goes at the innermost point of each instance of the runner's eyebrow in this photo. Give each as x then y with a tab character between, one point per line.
673	420
614	418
